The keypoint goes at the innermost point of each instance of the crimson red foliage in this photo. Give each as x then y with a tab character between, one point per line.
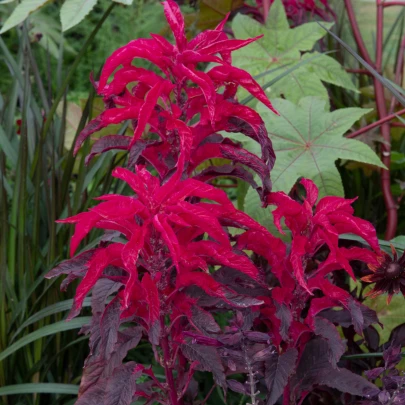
175	250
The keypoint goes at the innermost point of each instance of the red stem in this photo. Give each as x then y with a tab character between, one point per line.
356	32
376	124
393	3
168	366
390	203
359	71
208	395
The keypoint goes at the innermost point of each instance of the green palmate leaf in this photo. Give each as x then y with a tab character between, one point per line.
74	11
308	139
21	12
39	388
284	46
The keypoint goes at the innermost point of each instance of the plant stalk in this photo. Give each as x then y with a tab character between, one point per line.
375	124
389	201
393	3
168	367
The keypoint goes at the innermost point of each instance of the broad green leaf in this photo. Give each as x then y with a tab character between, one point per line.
125	2
390	315
308	139
45	331
74	11
39	388
280	46
398	242
21	12
277	18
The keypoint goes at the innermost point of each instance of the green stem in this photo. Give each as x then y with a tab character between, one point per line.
365	355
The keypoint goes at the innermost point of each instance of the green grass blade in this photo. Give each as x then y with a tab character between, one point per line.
386	83
72	70
50	310
48	330
40	388
8	149
383	243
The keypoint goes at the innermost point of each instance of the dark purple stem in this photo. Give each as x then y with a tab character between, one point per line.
168	366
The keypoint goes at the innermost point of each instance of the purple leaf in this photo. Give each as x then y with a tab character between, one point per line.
74	268
328	331
278	370
384	397
258	337
208	359
109	324
284	314
204	321
121	386
397	336
392	356
236	386
93	396
101	291
372	338
315	369
107	143
264	354
374	373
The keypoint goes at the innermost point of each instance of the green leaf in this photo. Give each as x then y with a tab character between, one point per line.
284	46
125	2
9	150
45	331
277	18
21	12
308	139
398	242
49	30
39	388
390	315
50	310
74	11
